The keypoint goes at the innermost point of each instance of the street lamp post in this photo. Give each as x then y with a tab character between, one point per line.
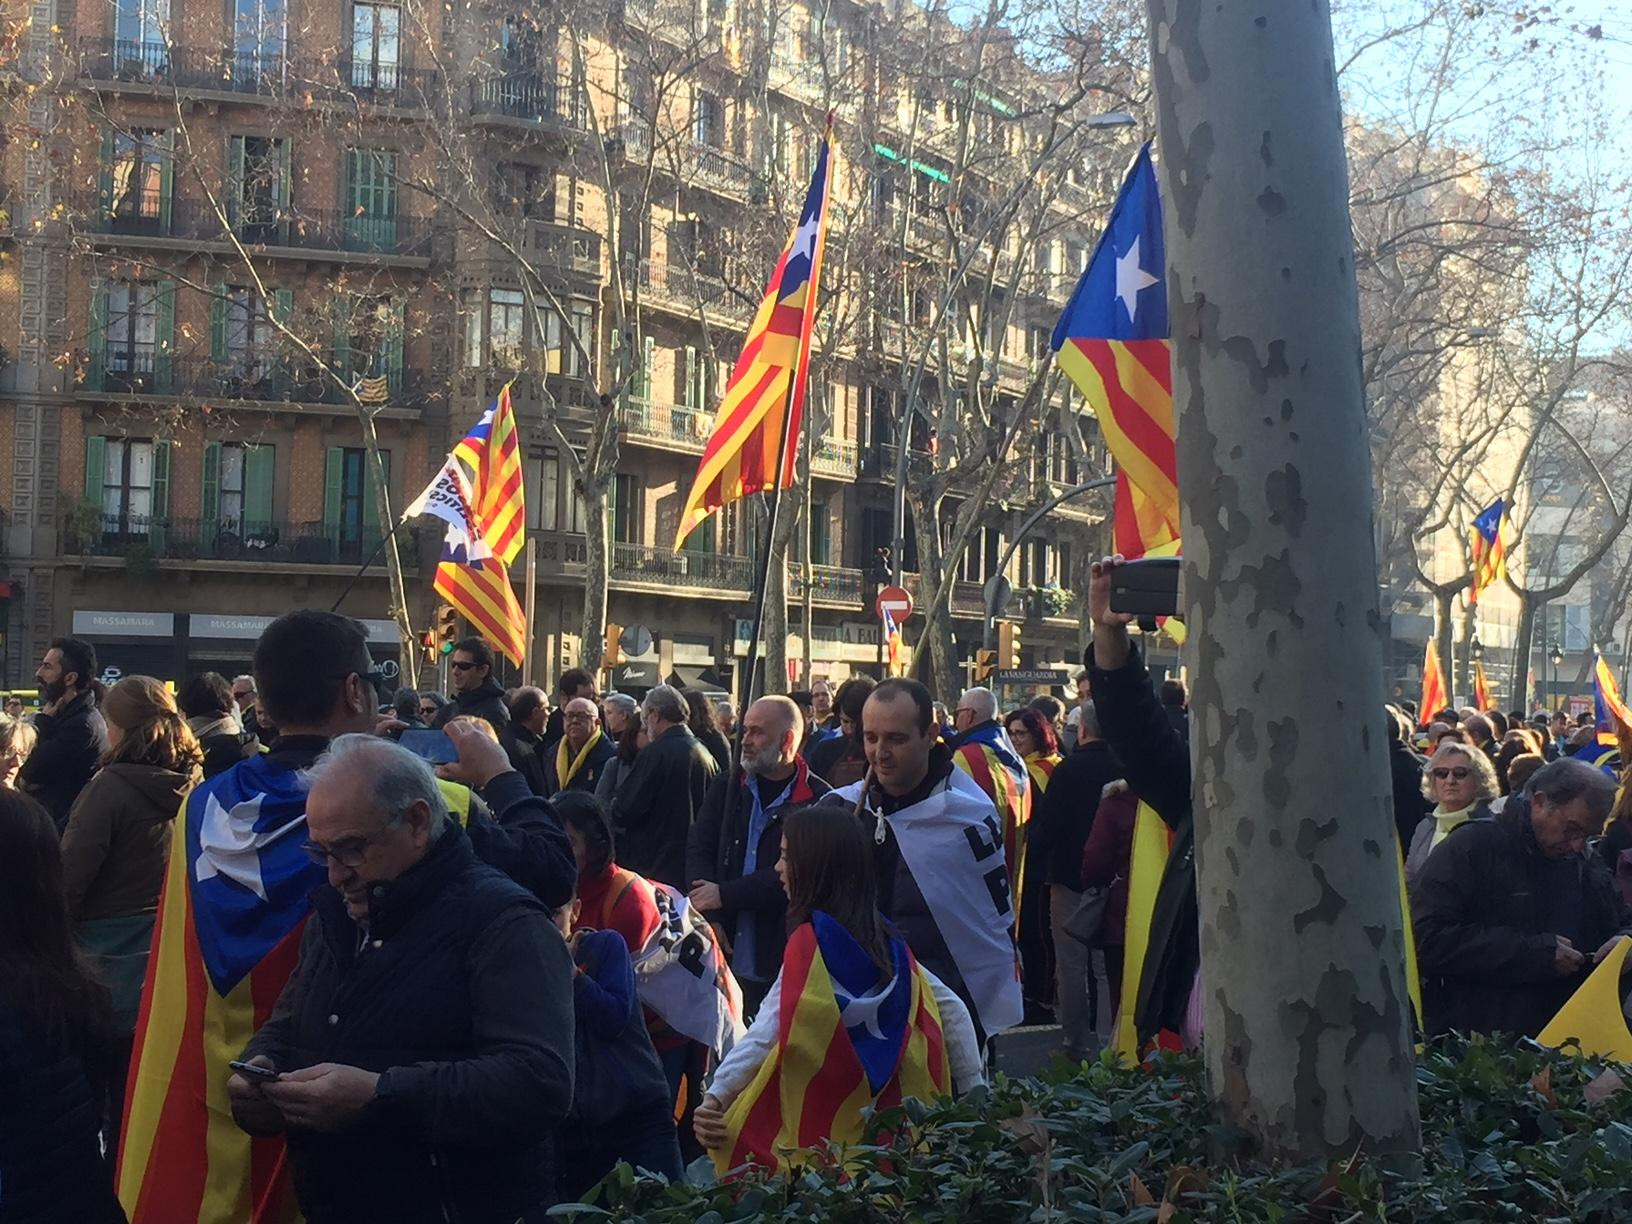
1556	654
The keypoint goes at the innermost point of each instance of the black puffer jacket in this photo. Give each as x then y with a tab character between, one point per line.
1488	907
51	1166
487	702
71	746
657	802
1156	764
460	994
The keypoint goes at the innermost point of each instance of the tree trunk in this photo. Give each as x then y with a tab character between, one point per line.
776	596
1307	1017
1464	671
1522	653
597	570
393	558
935	602
1443	599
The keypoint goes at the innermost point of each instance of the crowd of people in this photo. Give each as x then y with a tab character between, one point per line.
285	942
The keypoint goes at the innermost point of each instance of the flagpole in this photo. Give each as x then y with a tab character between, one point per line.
530	609
762	579
364	567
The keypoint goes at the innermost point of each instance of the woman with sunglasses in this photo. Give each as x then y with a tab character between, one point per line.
1461	782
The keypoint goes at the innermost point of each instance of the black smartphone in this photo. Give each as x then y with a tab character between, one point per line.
253	1070
432	746
1150	587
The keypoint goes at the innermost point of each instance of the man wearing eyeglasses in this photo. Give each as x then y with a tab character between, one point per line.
475	693
1511	914
424	1043
232	929
576	761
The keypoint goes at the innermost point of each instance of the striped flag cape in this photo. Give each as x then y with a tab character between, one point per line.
1435	697
478	493
1489	549
845	1042
1112	341
231	911
1041	768
765	397
987	755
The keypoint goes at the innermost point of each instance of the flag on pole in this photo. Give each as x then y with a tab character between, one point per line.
1482	696
1489	549
478	493
1112	341
768	383
1611	715
1434	694
492	451
892	642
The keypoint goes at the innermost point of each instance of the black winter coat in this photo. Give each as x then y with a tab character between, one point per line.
526	754
460	993
1487	907
70	748
1405	768
656	803
1156	763
51	1166
484	702
589	773
718	848
1065	814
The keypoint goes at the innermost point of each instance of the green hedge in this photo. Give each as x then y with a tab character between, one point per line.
1508	1134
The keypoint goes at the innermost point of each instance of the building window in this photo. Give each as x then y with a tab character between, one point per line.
507	327
521	190
140	176
133	320
127	486
543	472
821	533
258	196
560	354
369	335
249	334
376	46
371	203
708	120
138	28
625	508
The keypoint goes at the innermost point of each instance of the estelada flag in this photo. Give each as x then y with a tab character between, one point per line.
492	452
1482	696
988	756
844	1042
231	911
1489	549
1113	343
761	404
1611	716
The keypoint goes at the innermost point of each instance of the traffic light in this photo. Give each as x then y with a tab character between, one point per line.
1008	645
612	649
446	628
985	665
427	644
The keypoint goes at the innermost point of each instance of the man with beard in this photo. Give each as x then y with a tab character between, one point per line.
72	735
732	851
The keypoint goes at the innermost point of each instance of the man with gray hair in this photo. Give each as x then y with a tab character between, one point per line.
732	852
653	810
422	1051
1511	914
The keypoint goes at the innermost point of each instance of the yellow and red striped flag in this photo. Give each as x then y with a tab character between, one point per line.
765	398
1434	694
1482	696
492	452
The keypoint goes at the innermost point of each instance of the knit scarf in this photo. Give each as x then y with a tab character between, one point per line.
564	772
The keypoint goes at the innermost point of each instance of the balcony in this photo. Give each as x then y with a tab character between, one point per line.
682	290
376	83
711	571
161	66
697	162
667	426
565	249
530	97
321	230
139	538
832	457
143	372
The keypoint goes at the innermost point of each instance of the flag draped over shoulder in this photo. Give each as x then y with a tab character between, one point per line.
765	397
478	494
231	911
988	756
846	1040
1113	343
1489	548
1434	695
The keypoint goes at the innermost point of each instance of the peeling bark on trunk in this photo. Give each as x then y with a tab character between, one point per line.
1443	600
1307	1019
596	572
934	600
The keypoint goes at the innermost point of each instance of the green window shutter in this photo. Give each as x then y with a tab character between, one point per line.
283	305
643	376
104	182
259	468
210	496
393	348
96	463
167	162
334	474
218	326
371	502
354	212
235	179
96	367
286	155
342	337
157	536
688	389
165	333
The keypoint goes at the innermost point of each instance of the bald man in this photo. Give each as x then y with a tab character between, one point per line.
579	756
732	851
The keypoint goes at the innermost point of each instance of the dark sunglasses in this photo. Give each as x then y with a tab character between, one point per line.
458	665
1457	772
